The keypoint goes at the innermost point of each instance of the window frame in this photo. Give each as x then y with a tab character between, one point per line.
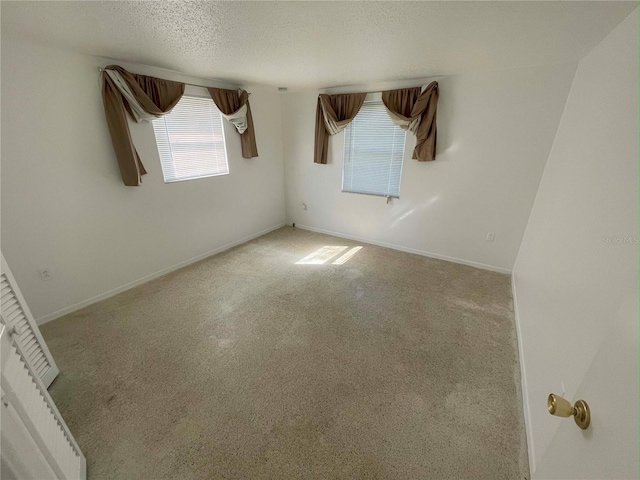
375	97
189	93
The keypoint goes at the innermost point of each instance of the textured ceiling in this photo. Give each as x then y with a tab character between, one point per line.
319	44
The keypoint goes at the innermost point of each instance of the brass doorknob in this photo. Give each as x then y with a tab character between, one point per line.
560	407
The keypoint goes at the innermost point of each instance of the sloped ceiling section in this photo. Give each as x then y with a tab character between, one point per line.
319	44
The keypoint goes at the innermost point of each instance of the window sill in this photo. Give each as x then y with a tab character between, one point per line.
196	178
371	194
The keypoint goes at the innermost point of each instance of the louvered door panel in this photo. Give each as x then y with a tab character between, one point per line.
16	316
25	393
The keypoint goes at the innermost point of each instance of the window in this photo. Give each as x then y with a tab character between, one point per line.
373	152
190	140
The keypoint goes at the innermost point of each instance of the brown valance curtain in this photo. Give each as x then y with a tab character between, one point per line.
144	98
231	103
415	110
334	113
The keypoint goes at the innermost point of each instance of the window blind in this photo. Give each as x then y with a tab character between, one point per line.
373	152
190	140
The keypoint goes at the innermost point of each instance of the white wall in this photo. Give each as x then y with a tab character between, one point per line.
65	208
495	131
577	292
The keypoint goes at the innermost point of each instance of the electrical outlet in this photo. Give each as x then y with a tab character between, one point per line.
491	236
46	275
304	206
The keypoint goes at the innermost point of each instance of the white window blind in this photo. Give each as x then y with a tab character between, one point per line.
190	140
373	152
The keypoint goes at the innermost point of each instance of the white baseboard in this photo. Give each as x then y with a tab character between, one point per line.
523	379
424	253
148	278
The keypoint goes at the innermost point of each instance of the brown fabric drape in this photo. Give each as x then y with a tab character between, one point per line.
156	96
230	101
416	111
333	113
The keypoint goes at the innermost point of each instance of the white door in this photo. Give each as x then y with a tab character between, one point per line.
608	449
15	314
36	442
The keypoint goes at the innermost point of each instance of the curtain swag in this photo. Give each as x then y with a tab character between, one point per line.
146	98
333	114
412	109
415	109
234	105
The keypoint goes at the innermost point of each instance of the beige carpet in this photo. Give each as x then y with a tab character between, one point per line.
250	366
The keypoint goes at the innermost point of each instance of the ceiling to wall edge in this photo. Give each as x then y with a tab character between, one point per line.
145	69
372	86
